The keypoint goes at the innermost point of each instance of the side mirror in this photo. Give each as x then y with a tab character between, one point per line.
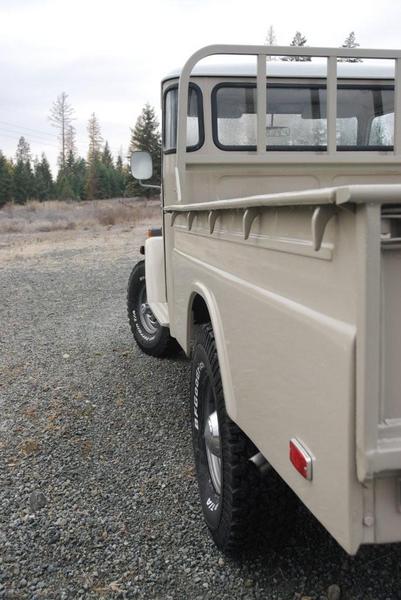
141	165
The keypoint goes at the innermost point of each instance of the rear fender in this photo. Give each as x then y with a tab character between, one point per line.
218	332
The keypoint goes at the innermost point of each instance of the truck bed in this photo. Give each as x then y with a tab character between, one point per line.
303	289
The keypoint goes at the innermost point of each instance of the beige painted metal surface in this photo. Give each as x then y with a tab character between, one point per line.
301	272
155	279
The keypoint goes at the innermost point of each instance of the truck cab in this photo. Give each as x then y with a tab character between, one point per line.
278	274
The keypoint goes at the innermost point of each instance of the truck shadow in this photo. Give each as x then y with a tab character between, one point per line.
312	556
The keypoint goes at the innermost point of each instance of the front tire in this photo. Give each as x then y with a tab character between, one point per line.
237	499
151	337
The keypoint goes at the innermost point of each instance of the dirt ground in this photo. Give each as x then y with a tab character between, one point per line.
98	497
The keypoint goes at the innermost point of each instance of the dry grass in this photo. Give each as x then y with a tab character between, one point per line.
60	216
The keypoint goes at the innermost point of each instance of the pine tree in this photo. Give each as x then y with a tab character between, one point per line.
298	41
65	184
23	152
350	42
61	116
23	182
122	176
6	180
69	163
104	181
109	183
23	175
95	175
79	179
107	158
119	163
71	182
43	179
64	187
146	136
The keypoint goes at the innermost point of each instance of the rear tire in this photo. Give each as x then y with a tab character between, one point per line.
150	336
237	499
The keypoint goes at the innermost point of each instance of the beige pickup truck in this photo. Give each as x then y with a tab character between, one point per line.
279	273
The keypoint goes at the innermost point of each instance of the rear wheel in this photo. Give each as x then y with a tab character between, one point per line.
237	499
151	337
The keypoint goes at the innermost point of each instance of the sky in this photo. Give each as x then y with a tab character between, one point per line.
109	56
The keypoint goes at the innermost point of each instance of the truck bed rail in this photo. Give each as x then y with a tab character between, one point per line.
327	201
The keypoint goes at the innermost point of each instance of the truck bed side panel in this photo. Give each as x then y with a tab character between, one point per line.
289	343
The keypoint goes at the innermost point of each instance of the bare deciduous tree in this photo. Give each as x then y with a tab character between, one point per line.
95	139
70	144
94	173
271	40
61	117
271	37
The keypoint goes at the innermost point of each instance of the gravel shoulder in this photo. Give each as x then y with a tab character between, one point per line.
97	490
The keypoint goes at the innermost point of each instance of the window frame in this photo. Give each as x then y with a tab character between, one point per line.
201	124
298	148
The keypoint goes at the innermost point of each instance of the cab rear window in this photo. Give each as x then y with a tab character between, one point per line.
296	117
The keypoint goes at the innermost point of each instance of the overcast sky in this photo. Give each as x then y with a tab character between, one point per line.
109	56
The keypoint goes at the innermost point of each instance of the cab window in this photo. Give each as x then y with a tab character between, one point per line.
296	117
194	122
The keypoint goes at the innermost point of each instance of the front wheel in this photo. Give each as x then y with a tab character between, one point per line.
151	337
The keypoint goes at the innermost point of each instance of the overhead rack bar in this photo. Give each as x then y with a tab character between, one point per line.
261	52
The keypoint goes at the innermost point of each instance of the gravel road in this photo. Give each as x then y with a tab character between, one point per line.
97	489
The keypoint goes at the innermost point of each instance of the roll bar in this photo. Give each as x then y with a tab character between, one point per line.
261	52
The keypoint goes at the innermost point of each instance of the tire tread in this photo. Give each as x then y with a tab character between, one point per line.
252	501
166	345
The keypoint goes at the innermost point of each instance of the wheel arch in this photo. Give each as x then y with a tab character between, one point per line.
203	308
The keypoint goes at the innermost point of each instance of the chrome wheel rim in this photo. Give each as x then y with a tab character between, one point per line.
146	316
213	449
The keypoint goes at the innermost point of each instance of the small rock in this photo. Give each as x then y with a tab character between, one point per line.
248	583
221	562
54	536
333	592
37	500
66	355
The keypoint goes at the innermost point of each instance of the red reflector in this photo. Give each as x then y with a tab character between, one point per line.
301	459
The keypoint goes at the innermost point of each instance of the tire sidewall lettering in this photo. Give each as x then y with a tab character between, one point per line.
195	399
147	339
212	505
211	501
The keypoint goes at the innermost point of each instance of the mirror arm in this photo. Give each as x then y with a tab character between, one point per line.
149	186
